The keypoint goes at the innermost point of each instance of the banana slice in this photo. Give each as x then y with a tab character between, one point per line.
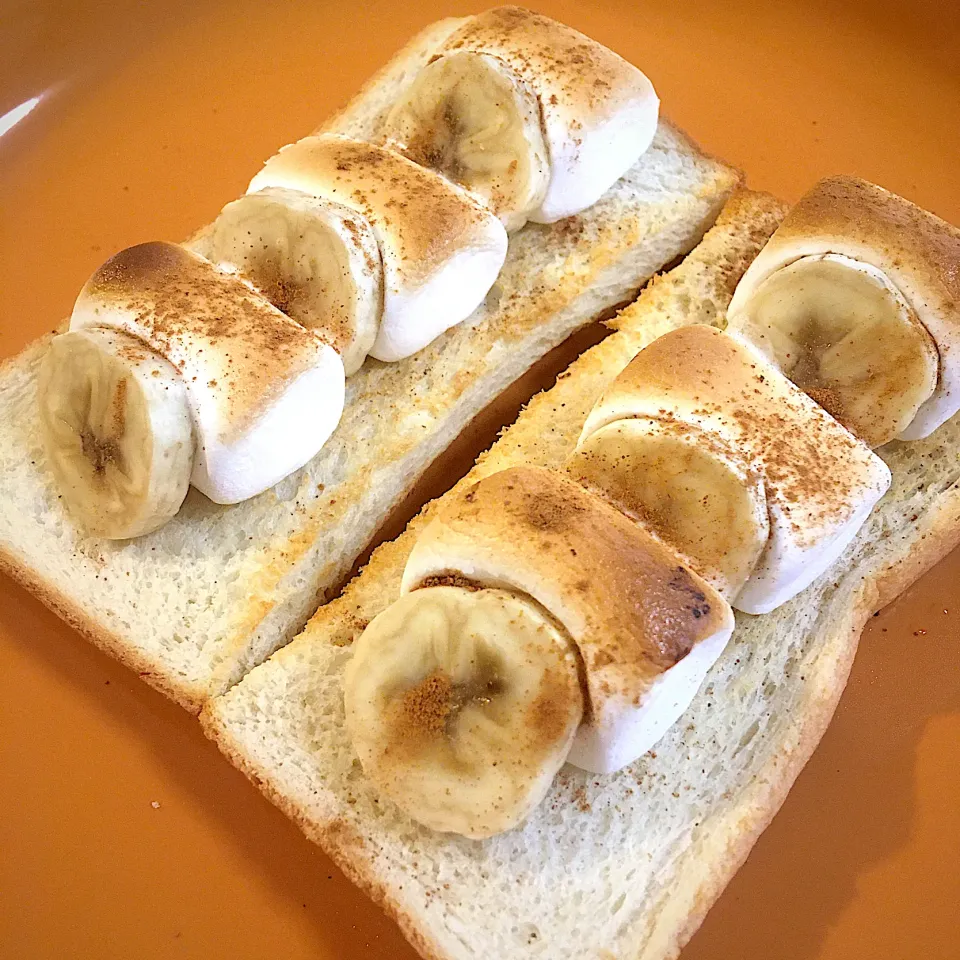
846	336
687	485
598	113
315	260
469	117
117	430
915	251
462	705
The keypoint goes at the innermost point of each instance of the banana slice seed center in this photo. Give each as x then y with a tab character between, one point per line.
434	705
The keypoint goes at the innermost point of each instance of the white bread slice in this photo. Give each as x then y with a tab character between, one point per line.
626	865
193	606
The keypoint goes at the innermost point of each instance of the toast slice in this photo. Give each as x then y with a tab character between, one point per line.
196	604
619	866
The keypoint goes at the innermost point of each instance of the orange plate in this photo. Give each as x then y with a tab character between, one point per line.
122	831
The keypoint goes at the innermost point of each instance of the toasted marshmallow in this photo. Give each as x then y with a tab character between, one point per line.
441	250
634	611
629	729
317	261
917	252
820	481
264	392
599	112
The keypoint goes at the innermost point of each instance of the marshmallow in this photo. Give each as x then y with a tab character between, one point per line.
634	611
264	393
697	493
316	261
441	250
845	335
820	482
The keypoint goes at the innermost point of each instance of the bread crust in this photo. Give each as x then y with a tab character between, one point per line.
937	537
189	696
754	216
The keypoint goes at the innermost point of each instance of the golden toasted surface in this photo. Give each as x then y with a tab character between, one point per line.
807	457
903	234
181	303
581	74
423	216
629	603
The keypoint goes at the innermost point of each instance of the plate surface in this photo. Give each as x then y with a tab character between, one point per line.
123	833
